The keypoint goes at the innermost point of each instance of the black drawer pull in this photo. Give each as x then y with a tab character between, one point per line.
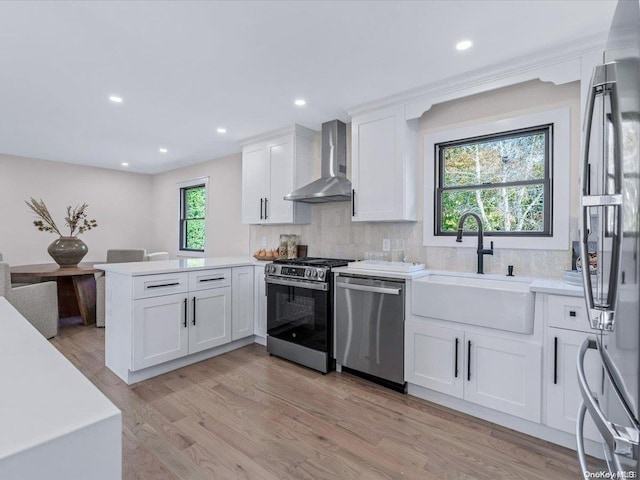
194	310
164	285
215	279
572	313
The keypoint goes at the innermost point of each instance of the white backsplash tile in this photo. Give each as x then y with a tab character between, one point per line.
332	234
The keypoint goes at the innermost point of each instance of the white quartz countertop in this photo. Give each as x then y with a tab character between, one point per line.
44	397
179	265
556	287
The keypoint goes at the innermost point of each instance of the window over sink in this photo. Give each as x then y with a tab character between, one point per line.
513	173
503	177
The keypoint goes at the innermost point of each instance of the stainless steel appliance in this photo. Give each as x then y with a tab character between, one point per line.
370	328
300	310
333	185
610	220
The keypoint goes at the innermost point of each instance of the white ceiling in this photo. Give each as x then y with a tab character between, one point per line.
186	68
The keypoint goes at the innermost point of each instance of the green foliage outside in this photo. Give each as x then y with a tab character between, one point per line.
195	204
483	166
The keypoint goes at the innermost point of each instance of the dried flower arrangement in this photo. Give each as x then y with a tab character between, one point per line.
76	218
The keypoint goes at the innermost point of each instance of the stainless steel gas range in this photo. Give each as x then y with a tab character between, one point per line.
300	310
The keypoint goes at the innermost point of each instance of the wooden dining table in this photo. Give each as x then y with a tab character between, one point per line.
76	286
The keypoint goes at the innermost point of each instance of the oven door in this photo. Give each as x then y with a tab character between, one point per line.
298	312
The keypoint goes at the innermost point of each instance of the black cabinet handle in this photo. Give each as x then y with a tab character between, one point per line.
212	279
185	313
265	208
555	360
469	361
194	311
353	202
164	285
261	202
456	359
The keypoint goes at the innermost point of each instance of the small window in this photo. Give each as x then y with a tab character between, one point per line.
193	208
504	178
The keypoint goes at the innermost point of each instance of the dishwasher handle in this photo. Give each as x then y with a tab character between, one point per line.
366	288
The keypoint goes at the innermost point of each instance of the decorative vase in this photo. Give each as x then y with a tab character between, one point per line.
68	251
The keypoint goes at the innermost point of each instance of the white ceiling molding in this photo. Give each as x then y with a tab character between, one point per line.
564	64
295	128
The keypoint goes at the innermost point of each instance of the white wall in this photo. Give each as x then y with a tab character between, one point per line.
119	201
225	234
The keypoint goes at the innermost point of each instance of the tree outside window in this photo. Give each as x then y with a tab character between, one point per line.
504	178
193	203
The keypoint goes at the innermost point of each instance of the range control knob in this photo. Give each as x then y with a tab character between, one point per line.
315	274
307	273
321	274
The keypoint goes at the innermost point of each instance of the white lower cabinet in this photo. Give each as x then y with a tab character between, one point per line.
216	310
563	395
242	324
260	303
160	330
499	373
210	319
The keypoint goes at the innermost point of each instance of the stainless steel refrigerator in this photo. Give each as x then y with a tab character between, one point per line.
610	236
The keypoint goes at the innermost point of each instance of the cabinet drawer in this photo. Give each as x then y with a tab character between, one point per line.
156	285
205	279
567	312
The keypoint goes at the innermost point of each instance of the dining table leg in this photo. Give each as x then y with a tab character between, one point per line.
85	290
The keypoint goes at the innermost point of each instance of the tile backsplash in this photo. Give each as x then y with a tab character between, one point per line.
333	234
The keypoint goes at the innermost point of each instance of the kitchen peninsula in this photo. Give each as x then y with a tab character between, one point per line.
168	314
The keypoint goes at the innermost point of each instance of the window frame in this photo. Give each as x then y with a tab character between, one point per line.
559	173
546	182
183	187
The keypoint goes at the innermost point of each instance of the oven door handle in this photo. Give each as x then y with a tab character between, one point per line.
298	283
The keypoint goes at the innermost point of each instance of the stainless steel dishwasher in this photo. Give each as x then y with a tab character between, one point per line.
369	328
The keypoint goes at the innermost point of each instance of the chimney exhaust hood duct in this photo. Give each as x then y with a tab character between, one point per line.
332	186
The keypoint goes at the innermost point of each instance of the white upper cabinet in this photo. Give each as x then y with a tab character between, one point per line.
273	165
383	171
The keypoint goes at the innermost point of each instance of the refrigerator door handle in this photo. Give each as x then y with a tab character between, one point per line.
601	313
620	440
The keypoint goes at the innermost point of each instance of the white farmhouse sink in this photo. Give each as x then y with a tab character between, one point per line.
490	301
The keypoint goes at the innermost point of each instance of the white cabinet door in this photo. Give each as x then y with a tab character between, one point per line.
210	319
433	357
280	154
260	303
504	375
160	330
563	396
383	166
255	175
242	306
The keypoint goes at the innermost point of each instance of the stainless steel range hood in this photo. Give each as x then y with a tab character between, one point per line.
332	186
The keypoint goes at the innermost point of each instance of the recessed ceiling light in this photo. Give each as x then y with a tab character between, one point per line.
221	130
464	45
163	150
124	164
115	99
300	102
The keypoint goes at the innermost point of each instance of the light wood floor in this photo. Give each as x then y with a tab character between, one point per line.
246	415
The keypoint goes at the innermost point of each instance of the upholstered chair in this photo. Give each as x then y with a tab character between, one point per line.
114	256
37	302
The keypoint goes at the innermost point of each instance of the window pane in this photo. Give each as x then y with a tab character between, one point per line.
507	209
194	235
495	161
195	202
